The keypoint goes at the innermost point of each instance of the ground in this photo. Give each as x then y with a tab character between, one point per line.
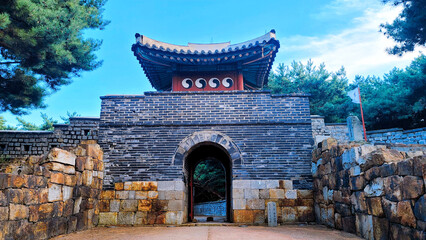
286	232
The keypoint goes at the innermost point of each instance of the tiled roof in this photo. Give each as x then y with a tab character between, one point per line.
203	49
254	58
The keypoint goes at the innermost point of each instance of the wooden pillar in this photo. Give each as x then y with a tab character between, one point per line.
240	81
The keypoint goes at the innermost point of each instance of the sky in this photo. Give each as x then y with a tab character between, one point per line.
334	32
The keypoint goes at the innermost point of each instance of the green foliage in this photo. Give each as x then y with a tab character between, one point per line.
409	28
69	115
209	181
3	125
396	100
327	89
42	48
46	125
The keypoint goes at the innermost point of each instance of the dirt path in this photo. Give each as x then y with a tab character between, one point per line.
210	233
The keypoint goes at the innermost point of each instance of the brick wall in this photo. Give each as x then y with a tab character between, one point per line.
15	144
140	134
398	136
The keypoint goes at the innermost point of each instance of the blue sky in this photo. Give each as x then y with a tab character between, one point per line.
336	32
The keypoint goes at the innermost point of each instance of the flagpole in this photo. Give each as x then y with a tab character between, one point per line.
362	114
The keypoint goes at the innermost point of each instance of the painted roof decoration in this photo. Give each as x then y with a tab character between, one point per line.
160	60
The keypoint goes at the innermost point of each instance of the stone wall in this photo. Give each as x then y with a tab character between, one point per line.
373	191
58	195
14	144
398	136
271	133
144	203
251	197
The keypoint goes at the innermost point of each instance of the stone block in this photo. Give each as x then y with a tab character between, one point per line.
374	206
255	204
5	180
401	233
264	193
108	218
141	218
276	193
305	194
144	205
405	214
388	169
55	193
412	187
286	184
165	185
176	205
19	181
358	201
243	216
68	208
133	186
239	203
87	177
238	193
287	202
244	184
57	177
290	194
257	184
17	212
364	226
152	195
375	188
30	196
372	173
418	164
15	196
343	209
348	224
174	217
128	205
338	221
357	183
289	214
141	195
4	214
61	156
178	186
126	218
251	193
405	167
94	151
420	208
70	180
305	214
107	195
121	194
390	210
272	183
132	194
79	163
328	143
77	205
114	205
67	192
69	169
393	188
380	228
381	156
119	186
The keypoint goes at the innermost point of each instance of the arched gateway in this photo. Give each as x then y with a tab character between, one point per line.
201	146
209	106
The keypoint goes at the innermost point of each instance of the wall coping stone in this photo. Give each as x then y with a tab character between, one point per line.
206	93
385	130
26	131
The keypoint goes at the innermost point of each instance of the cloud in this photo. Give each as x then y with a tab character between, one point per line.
361	49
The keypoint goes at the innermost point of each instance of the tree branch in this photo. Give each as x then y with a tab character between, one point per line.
10	62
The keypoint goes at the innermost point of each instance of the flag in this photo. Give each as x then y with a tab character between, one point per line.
354	95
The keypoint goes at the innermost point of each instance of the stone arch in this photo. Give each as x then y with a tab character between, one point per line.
207	136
